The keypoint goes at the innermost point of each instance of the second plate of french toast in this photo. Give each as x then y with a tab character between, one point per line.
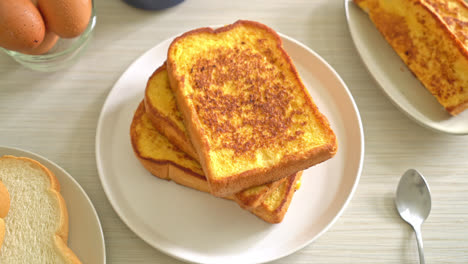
232	144
417	53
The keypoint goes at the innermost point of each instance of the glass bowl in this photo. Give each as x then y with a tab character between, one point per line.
64	52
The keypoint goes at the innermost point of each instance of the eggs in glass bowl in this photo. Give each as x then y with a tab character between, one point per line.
45	35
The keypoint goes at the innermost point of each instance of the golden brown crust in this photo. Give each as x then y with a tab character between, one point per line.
196	139
289	166
264	212
249	202
61	235
4	208
222	186
2	231
164	125
170	171
159	168
458	109
4	200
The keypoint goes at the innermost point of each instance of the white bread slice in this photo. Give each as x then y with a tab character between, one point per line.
4	207
37	223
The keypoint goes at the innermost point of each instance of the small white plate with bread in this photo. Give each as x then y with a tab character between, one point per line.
32	182
404	90
197	227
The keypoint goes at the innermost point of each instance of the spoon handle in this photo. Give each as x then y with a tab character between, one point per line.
417	231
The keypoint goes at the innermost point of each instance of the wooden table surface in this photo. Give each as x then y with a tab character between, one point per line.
56	114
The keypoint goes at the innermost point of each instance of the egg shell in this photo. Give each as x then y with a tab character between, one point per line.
66	18
48	43
21	25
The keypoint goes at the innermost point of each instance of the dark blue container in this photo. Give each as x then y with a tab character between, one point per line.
153	4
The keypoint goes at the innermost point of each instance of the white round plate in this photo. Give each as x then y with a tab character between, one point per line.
396	80
197	227
85	235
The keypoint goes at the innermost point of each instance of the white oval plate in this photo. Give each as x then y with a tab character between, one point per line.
396	80
197	227
85	235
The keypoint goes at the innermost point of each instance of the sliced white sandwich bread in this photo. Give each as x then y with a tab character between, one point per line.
4	207
37	223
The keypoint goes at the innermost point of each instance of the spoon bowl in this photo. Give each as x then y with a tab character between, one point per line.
413	202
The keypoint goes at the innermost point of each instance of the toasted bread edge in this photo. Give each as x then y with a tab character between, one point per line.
167	127
4	208
281	210
159	168
250	202
289	166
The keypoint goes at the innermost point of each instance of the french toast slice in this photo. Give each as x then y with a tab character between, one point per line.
430	36
247	112
165	161
162	110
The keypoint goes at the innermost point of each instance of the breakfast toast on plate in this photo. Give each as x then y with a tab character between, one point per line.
430	36
161	108
247	112
161	158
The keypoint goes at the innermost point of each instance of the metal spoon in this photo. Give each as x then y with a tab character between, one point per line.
413	201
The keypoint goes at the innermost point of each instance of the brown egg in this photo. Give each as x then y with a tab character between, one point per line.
21	25
49	41
67	18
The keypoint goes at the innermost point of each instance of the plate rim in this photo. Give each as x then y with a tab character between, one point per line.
172	253
41	158
438	129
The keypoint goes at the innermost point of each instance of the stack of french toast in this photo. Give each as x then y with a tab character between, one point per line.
228	114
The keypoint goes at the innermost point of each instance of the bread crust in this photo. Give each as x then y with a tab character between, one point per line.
234	183
279	212
159	168
61	235
4	208
4	200
164	125
250	202
288	166
2	231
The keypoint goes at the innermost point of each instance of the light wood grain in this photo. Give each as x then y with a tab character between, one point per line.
55	115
